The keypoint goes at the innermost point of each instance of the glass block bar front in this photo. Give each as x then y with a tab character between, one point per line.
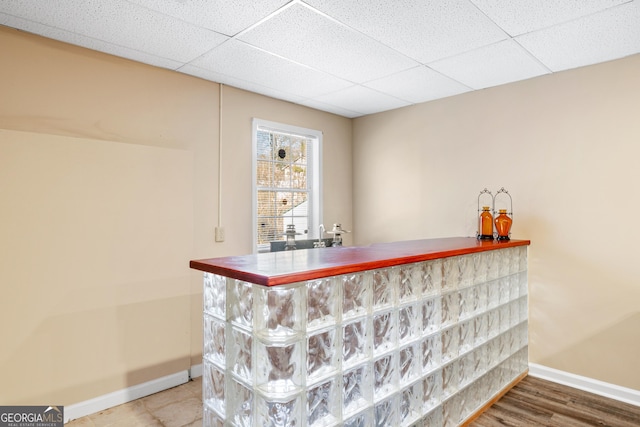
419	344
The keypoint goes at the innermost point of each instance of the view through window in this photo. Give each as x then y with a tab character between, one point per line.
286	168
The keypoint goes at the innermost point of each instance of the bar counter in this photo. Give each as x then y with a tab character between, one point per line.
416	333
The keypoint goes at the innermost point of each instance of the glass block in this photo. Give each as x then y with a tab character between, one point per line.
466	300
450	343
432	277
514	287
480	298
431	314
503	292
522	258
514	313
240	303
432	390
386	412
356	342
524	308
356	290
433	417
479	267
493	294
493	353
213	389
503	342
523	280
450	308
409	367
512	341
322	353
503	258
385	376
279	311
493	265
214	340
384	289
239	355
514	260
357	390
384	331
465	264
479	361
466	340
480	329
279	411
362	419
431	352
323	403
410	283
211	419
214	295
240	404
465	369
323	303
505	317
409	323
451	273
278	366
410	404
493	323
451	412
450	379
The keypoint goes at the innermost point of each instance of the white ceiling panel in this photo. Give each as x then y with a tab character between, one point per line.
83	41
497	64
419	84
304	36
241	61
120	23
522	16
226	17
362	100
423	30
240	84
612	34
347	57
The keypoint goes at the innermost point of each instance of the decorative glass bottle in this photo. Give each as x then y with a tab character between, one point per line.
503	224
485	224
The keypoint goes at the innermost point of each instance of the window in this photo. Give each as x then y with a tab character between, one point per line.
286	168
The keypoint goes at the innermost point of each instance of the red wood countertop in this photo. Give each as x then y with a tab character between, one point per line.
280	268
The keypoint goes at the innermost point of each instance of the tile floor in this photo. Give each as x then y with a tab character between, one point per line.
177	407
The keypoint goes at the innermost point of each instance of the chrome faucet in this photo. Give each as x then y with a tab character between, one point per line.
320	242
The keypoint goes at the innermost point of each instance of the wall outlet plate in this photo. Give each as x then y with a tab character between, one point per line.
219	234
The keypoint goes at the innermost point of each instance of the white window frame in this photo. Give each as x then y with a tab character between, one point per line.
314	176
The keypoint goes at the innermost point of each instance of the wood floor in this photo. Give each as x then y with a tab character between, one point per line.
535	402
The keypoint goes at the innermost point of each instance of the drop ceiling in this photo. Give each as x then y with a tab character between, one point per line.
348	57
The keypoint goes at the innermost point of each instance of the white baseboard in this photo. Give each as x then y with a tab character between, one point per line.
195	371
601	388
100	403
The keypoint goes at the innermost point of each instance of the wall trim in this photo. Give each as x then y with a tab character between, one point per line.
612	391
195	371
106	401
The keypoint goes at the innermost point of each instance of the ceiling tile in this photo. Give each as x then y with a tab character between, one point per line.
312	103
362	100
226	17
309	38
418	84
79	40
600	37
523	16
244	62
239	83
121	23
500	63
423	30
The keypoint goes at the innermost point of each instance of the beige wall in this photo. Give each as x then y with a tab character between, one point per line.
108	187
566	146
